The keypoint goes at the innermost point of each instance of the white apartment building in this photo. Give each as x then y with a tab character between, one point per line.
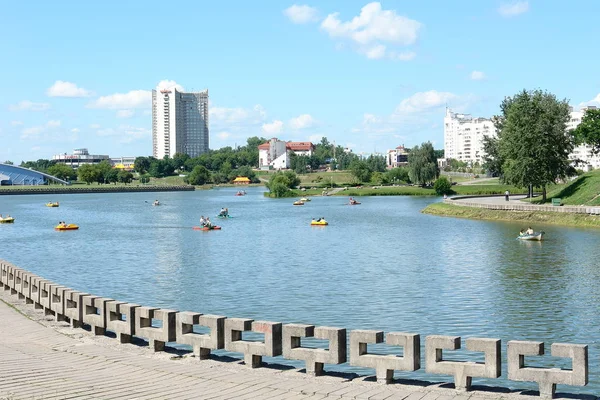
583	152
79	158
463	136
397	157
179	123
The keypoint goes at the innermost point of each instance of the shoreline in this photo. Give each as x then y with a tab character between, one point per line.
96	189
546	217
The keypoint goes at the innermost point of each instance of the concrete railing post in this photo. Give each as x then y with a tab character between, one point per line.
201	343
315	358
548	378
26	287
74	307
463	371
157	336
253	351
19	274
385	365
57	301
94	313
120	319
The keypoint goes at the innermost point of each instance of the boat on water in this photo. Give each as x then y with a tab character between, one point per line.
354	203
7	220
298	203
55	204
532	236
319	222
206	228
224	216
305	199
156	203
66	227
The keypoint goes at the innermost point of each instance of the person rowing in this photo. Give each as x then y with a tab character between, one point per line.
202	221
223	212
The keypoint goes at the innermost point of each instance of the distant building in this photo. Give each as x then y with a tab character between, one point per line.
13	175
397	157
179	123
79	157
463	136
125	163
241	180
583	152
275	154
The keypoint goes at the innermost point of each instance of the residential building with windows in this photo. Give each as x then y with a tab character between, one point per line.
463	136
275	154
583	153
179	123
397	157
79	157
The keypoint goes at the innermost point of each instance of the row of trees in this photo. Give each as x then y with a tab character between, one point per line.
102	172
532	145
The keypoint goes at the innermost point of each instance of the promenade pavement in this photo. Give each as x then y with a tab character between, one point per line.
44	359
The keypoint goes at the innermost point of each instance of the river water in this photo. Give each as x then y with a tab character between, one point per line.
380	265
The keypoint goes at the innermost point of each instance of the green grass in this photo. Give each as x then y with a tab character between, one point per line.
585	190
552	218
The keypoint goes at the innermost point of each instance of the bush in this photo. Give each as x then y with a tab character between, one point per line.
442	186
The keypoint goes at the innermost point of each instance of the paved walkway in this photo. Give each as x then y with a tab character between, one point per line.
43	359
515	204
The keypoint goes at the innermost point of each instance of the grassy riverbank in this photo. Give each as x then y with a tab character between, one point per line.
583	191
528	217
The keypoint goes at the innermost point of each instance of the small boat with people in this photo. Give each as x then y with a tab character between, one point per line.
241	193
530	234
304	199
207	228
298	203
52	204
156	203
6	220
353	202
319	222
224	213
63	226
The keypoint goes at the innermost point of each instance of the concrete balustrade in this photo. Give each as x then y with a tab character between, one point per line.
385	365
202	344
74	307
315	358
128	320
548	378
120	319
253	351
463	371
94	313
157	336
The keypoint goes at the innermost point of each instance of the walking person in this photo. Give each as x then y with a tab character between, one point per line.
506	194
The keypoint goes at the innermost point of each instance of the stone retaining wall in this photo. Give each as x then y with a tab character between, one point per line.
97	189
128	320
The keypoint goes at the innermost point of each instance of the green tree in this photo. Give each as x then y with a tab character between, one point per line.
62	171
178	161
8	162
442	185
361	171
124	176
588	131
533	141
141	165
104	170
376	163
199	176
280	183
422	164
112	176
397	175
88	173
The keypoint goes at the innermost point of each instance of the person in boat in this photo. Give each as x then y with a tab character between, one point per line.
208	224
352	201
202	221
223	212
226	212
521	232
320	219
529	231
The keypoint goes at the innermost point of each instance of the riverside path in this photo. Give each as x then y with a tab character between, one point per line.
44	359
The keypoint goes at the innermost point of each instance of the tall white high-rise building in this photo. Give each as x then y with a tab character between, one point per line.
463	136
179	123
583	152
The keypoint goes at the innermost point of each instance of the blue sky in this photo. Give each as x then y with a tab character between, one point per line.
370	76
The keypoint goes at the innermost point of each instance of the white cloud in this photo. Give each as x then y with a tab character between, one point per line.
301	14
302	121
126	133
273	128
67	89
123	101
16	123
403	56
27	105
95	126
53	124
376	52
477	76
237	115
315	138
373	27
125	113
75	130
31	132
594	102
223	135
424	101
167	84
513	9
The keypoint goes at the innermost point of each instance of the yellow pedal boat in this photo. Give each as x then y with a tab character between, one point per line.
319	223
66	227
52	204
8	220
298	203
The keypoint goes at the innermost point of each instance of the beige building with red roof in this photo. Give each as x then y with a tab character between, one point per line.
275	154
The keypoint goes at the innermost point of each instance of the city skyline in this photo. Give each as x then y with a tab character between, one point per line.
367	75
